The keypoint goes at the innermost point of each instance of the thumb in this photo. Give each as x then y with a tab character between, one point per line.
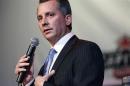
51	73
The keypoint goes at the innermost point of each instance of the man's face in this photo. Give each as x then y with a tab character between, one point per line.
52	22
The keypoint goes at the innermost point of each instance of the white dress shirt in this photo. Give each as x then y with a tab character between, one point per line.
59	46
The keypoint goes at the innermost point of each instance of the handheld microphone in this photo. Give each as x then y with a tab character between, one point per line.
30	53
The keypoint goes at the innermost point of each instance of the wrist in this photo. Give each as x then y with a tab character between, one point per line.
28	81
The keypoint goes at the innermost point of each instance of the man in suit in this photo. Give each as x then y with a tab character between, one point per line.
76	62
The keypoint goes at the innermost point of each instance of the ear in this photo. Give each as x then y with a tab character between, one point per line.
68	19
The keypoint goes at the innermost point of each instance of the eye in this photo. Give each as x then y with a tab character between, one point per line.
50	14
39	17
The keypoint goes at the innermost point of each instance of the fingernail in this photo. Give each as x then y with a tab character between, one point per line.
28	57
28	63
53	71
24	69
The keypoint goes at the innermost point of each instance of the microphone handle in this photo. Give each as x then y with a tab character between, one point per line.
23	74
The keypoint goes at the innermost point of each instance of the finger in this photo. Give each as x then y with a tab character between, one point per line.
23	60
17	71
21	69
23	56
51	73
22	65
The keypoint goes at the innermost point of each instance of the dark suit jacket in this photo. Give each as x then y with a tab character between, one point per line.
80	63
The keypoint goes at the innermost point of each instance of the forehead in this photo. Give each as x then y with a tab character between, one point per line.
51	5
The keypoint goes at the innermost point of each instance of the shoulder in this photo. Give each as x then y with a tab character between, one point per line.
86	44
88	52
85	49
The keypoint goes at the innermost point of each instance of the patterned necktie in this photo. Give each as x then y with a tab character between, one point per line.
49	60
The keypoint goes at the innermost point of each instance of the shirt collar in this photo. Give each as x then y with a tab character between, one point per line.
61	43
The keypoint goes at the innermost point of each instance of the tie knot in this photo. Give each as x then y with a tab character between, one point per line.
52	51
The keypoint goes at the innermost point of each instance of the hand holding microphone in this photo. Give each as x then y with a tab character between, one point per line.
20	67
24	64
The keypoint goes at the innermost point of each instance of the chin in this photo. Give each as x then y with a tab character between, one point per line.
49	37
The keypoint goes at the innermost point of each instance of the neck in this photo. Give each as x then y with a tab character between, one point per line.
54	41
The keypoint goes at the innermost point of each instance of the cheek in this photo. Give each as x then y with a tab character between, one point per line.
40	27
59	23
58	20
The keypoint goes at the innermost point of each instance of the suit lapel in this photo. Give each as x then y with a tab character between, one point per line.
64	52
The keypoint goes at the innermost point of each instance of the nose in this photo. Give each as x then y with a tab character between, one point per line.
45	23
